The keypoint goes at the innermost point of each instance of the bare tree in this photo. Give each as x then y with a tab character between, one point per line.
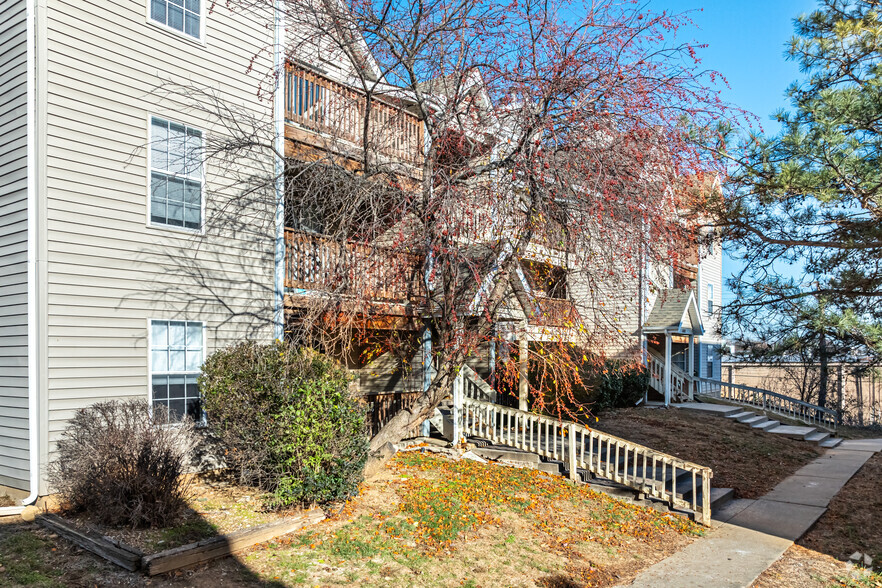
446	160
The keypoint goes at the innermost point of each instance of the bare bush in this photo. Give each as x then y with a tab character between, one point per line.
122	463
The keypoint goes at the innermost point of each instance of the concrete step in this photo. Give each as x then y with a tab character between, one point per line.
741	414
756	419
766	425
719	409
817	436
792	432
720	497
511	454
830	443
551	467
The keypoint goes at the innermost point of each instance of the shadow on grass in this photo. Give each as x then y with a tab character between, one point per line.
33	556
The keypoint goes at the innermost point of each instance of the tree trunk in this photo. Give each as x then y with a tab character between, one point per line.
824	378
405	420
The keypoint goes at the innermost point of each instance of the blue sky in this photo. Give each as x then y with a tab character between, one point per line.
746	43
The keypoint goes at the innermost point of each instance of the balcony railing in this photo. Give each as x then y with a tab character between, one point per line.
555	312
317	263
319	104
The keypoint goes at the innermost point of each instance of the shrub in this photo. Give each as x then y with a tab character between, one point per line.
288	421
122	463
619	385
611	384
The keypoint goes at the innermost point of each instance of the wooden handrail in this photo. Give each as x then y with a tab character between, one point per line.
767	400
320	104
317	263
681	381
636	466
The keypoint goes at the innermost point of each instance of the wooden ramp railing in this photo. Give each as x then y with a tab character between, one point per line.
766	400
679	483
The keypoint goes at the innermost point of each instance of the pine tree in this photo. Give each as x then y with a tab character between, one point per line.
811	196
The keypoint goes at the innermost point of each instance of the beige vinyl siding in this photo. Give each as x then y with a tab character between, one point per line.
711	273
14	451
606	292
108	272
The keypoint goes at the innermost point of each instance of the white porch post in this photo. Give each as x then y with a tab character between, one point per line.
690	369
427	373
667	368
457	407
523	374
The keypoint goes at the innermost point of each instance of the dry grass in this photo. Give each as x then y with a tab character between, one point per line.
214	508
425	521
851	522
804	568
747	460
433	522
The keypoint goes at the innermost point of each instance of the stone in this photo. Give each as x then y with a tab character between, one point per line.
29	514
856	556
378	459
473	456
868	561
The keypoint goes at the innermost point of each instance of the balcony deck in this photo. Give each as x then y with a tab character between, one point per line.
357	271
324	114
555	312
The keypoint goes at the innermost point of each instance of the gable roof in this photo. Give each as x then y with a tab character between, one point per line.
675	311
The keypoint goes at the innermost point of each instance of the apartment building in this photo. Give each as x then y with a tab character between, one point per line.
107	268
115	281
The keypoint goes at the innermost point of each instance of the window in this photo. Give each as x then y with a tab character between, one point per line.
181	15
710	362
710	298
177	349
175	175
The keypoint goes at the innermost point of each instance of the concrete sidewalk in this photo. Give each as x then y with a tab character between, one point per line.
793	506
749	535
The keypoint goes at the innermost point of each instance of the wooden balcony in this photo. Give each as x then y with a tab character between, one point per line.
325	114
356	270
555	312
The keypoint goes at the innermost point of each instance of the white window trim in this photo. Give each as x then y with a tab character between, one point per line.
199	41
710	298
149	192
202	420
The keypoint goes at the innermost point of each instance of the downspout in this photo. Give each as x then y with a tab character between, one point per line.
33	372
279	170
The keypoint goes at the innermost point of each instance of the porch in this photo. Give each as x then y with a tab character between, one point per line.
672	332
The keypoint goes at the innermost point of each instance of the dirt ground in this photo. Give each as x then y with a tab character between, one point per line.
803	568
749	461
852	521
425	521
